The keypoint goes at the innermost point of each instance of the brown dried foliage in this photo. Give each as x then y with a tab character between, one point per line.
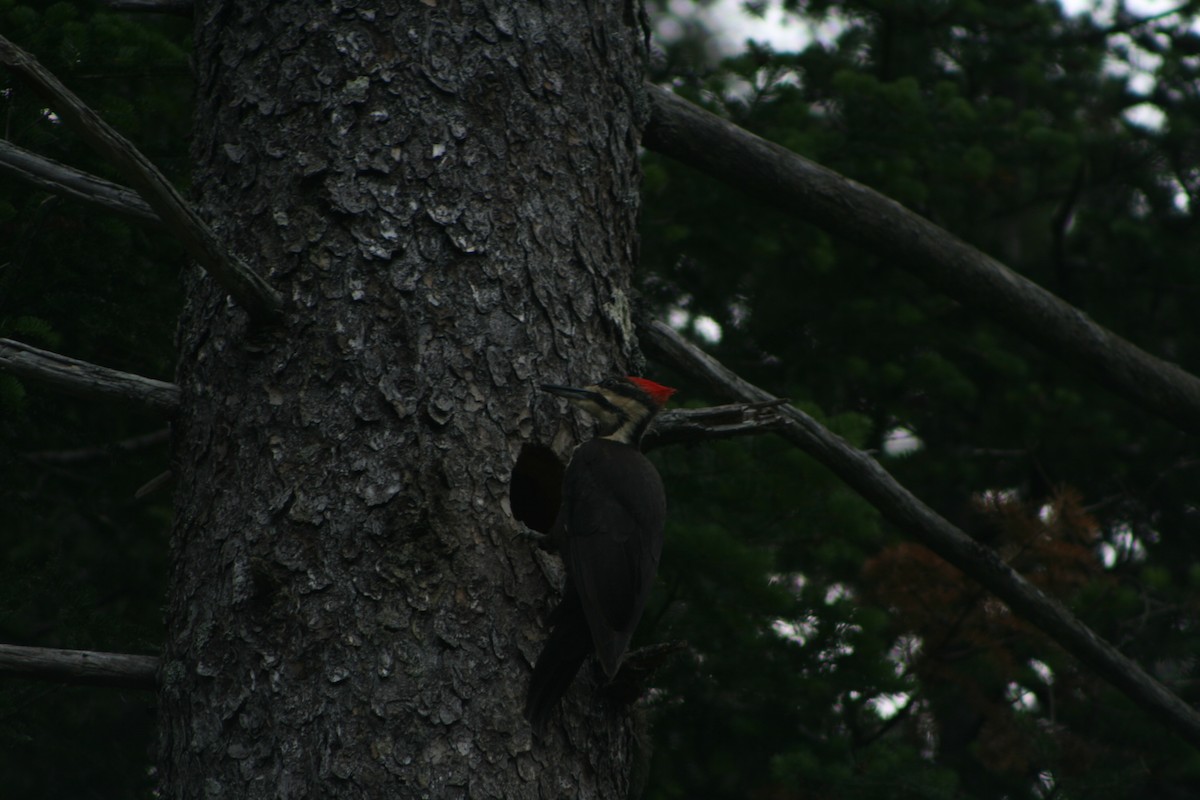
972	646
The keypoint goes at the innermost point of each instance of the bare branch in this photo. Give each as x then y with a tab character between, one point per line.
60	179
84	454
180	7
79	666
247	287
82	378
154	484
687	425
863	474
683	131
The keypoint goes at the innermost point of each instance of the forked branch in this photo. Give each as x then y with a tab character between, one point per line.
247	287
900	507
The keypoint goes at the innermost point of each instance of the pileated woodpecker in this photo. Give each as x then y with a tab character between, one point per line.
609	531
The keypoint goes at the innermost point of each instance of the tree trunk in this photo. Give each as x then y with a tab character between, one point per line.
446	195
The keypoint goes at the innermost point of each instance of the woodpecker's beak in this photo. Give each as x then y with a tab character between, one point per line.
571	393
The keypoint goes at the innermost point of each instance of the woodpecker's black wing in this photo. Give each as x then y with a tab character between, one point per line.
614	514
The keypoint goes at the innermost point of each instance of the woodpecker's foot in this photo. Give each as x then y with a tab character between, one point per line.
638	667
529	535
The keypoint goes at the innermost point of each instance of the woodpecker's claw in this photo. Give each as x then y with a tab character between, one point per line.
530	535
638	668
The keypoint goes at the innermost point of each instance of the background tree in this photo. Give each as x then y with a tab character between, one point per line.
828	655
1011	125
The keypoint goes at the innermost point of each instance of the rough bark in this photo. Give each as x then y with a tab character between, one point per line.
446	193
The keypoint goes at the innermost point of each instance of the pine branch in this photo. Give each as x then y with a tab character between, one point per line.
58	178
770	172
80	377
247	287
690	425
79	666
863	474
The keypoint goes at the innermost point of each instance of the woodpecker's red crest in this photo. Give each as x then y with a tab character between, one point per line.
658	393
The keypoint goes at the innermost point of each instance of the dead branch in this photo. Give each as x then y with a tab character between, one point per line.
79	666
82	378
103	452
247	287
900	507
60	179
772	173
690	425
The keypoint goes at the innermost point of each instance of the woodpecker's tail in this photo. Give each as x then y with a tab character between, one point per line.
569	644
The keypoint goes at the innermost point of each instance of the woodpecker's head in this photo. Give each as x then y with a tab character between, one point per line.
623	407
